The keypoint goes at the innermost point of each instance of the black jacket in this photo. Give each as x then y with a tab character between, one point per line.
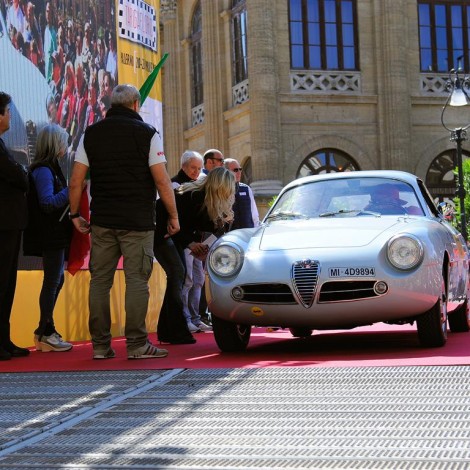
193	217
13	188
181	178
48	227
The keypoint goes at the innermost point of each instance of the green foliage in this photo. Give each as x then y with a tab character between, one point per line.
466	184
272	201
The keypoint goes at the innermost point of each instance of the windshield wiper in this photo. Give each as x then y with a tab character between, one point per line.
287	215
332	214
344	211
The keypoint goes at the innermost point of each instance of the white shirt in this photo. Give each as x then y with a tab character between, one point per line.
254	208
16	18
156	151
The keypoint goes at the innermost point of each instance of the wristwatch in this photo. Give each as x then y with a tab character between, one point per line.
74	216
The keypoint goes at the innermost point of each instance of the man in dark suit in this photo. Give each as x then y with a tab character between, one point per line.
13	219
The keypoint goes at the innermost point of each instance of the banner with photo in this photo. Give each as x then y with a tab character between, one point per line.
139	54
61	59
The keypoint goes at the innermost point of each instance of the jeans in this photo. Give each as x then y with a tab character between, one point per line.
107	246
53	264
192	287
172	324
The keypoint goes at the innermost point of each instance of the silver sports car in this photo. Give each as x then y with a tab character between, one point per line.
338	251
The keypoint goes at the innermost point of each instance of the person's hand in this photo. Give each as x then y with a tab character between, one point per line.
81	225
173	226
199	250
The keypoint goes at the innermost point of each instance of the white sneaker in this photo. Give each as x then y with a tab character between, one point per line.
193	328
203	327
53	343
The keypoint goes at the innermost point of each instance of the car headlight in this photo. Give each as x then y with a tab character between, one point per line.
226	260
405	252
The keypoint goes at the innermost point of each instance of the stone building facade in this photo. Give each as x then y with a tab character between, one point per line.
282	122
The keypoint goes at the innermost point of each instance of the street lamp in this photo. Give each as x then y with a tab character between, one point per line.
458	87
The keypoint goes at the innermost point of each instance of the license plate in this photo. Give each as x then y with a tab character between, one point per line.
360	271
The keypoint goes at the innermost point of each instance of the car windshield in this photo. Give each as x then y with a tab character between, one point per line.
347	197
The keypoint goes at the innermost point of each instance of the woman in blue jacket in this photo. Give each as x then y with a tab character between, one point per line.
49	229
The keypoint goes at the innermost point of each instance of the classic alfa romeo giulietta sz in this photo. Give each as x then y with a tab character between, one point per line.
338	251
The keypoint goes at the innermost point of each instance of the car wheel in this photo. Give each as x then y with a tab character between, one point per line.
229	336
300	332
459	319
432	325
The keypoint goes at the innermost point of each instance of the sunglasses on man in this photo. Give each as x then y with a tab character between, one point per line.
236	170
217	159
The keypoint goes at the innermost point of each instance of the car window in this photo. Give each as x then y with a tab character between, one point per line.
428	198
348	197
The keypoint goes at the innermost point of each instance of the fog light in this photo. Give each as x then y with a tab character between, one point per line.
237	293
380	287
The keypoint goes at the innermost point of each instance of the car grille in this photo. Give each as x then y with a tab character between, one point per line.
267	294
340	291
305	278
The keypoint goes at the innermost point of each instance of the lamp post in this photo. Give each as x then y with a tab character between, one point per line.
456	86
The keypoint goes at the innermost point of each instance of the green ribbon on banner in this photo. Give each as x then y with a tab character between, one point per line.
148	84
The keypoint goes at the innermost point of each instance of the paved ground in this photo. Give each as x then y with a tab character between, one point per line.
272	418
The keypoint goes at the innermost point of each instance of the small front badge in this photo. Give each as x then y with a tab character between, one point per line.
259	312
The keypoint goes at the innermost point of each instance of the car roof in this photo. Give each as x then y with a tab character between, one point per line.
390	174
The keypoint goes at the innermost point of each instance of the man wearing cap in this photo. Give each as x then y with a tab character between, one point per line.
385	199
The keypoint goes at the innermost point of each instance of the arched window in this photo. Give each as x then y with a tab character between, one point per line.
323	34
239	42
440	178
197	97
247	174
327	161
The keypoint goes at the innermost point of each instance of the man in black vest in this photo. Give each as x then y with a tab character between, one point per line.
13	219
245	211
126	161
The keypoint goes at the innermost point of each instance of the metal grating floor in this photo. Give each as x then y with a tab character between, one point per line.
271	418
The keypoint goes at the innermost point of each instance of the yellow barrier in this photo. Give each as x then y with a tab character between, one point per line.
71	312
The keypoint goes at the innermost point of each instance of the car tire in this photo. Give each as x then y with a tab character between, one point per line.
459	320
230	337
300	332
432	325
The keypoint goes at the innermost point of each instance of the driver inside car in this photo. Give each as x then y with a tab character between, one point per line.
385	199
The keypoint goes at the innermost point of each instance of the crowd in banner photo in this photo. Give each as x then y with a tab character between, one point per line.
75	49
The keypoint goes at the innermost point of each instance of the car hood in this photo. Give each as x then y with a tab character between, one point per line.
327	232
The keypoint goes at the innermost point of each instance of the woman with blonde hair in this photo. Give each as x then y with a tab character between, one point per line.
204	208
206	205
49	229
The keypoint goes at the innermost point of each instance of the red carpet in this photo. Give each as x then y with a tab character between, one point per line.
379	345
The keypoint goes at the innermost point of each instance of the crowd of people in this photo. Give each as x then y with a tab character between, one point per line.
77	57
137	212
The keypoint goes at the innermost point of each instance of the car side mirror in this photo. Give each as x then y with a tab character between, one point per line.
447	210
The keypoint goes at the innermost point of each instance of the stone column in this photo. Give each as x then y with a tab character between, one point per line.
172	100
264	101
394	103
211	73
